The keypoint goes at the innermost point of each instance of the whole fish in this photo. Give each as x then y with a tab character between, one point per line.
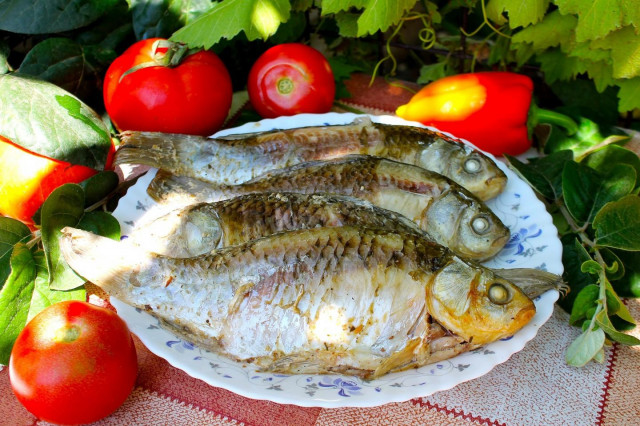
447	212
349	300
235	159
200	228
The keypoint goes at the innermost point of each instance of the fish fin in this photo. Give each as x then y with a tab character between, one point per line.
154	149
401	359
534	282
100	260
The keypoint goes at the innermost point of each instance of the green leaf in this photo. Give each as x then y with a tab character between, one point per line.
585	300
624	45
43	296
573	256
433	72
259	19
598	18
607	159
554	30
629	284
12	232
584	100
43	118
614	267
343	68
605	324
587	136
50	16
64	207
543	174
57	60
15	297
100	223
5	67
378	15
585	191
617	224
621	310
521	13
162	18
591	267
347	24
556	65
99	186
629	94
585	348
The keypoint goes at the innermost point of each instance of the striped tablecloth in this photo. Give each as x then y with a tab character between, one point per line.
534	387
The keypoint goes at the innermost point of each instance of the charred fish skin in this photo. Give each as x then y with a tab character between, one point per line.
447	212
343	299
200	228
235	159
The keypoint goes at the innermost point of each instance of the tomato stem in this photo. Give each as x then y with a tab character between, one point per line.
285	86
67	333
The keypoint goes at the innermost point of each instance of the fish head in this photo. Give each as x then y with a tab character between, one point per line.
186	232
465	224
476	304
466	166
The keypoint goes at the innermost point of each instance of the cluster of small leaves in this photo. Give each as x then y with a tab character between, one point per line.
33	273
568	38
591	186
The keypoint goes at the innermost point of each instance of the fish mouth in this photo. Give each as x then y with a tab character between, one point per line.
524	316
494	187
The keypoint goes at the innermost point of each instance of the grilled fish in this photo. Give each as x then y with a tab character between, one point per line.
348	300
235	159
447	212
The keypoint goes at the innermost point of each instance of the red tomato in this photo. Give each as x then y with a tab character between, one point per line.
193	97
27	179
73	363
289	79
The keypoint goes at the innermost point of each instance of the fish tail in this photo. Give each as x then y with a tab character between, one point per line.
152	149
534	282
100	260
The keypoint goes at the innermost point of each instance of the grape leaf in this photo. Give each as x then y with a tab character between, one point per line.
161	18
50	16
432	72
625	51
554	30
257	18
378	15
48	120
15	297
347	24
598	18
629	94
617	224
558	66
521	13
11	232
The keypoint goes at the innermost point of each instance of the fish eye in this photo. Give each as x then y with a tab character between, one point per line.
499	294
472	165
480	225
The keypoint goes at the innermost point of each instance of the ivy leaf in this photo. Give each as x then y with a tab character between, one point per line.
162	18
12	232
625	51
543	174
617	224
50	16
554	30
629	94
378	15
259	19
585	191
64	207
43	296
15	298
46	119
585	348
57	60
598	18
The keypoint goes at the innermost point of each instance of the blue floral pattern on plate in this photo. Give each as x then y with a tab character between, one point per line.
533	244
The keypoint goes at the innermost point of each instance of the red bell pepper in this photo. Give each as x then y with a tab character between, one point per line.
492	110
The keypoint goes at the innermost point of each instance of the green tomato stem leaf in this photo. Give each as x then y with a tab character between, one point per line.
44	118
12	232
585	348
15	298
617	224
64	207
